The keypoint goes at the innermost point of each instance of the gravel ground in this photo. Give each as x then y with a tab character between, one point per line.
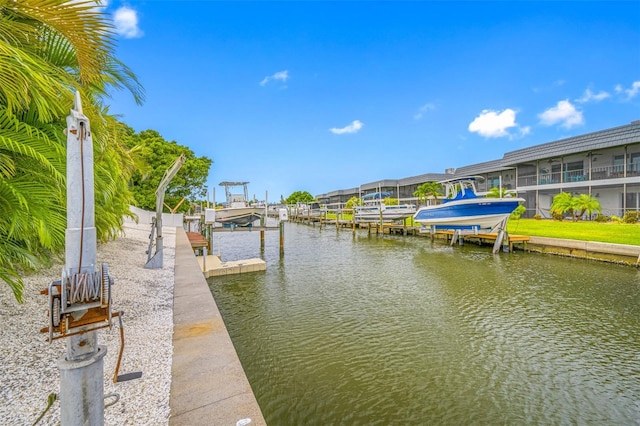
28	365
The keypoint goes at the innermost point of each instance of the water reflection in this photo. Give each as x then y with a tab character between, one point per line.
364	329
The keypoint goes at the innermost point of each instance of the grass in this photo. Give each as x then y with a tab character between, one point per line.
609	232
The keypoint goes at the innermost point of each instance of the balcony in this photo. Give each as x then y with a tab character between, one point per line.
597	173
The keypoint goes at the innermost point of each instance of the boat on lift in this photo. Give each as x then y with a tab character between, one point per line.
238	211
462	208
309	210
375	210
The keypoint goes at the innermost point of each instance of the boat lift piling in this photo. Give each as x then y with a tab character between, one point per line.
154	261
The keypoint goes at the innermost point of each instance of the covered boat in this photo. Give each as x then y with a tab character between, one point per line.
462	208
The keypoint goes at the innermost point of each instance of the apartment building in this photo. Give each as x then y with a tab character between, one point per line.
604	164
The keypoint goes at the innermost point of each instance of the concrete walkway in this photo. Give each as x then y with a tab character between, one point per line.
208	386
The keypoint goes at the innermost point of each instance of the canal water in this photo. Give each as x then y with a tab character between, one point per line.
359	329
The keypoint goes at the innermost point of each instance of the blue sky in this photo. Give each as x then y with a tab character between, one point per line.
319	96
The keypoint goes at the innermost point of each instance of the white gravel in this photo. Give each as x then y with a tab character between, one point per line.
28	365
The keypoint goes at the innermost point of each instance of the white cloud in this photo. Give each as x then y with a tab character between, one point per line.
493	124
564	113
279	76
125	20
634	90
423	109
354	127
590	96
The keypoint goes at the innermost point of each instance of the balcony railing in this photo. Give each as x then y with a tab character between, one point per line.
597	173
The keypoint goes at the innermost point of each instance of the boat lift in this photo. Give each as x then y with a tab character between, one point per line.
79	303
154	261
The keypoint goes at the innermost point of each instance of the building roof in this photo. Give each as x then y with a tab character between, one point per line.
427	177
479	168
609	138
379	183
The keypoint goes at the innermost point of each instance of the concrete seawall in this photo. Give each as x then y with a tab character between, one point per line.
209	385
617	253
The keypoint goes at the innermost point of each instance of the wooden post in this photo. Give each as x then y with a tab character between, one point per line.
281	238
262	239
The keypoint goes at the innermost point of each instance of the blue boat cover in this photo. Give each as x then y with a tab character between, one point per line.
376	196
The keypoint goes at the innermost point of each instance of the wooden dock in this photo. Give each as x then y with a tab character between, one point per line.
197	240
489	238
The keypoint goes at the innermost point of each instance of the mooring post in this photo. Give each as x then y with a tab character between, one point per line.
281	238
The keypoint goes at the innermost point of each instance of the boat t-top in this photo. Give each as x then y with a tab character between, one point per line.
463	208
238	211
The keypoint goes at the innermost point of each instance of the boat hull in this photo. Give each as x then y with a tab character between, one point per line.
389	213
478	213
240	216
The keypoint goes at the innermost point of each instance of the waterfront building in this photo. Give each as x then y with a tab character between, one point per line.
604	164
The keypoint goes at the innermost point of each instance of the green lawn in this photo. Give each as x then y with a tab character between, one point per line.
619	233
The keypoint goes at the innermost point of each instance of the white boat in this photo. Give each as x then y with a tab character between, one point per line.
375	210
308	210
238	211
463	208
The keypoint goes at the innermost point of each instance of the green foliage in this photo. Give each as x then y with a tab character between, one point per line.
537	217
48	51
496	193
615	219
576	206
585	203
631	217
387	201
601	218
517	212
352	202
159	155
428	189
300	197
562	203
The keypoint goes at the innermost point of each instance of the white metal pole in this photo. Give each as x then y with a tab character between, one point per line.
81	369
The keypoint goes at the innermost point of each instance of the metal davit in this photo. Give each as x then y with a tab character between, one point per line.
80	302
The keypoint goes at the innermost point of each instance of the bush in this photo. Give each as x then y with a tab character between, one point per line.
517	212
615	218
630	217
601	218
557	216
537	217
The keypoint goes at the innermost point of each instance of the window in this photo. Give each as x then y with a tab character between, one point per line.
573	166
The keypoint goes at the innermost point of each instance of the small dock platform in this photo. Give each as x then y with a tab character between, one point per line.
212	266
197	240
489	238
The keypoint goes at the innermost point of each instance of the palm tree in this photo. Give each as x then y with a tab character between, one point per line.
497	192
48	50
585	203
563	203
428	189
